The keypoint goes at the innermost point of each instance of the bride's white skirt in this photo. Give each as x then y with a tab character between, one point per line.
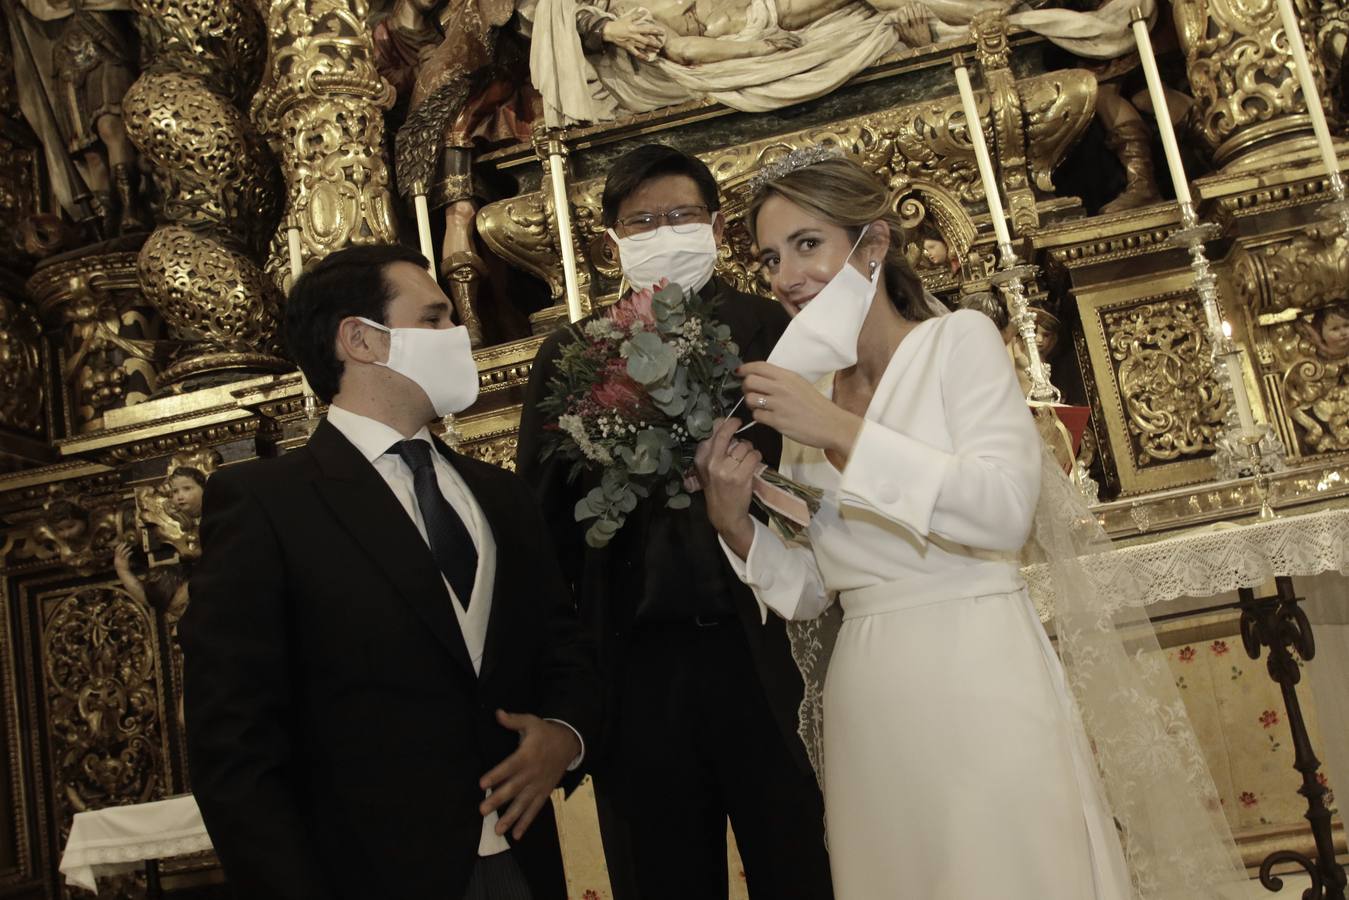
954	766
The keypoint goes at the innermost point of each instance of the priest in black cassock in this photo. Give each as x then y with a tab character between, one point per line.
703	693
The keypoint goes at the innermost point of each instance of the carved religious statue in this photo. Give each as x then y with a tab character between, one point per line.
75	61
758	55
460	69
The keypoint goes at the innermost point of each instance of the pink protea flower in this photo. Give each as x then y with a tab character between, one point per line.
618	391
637	308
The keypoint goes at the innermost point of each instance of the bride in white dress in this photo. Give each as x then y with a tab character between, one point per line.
955	766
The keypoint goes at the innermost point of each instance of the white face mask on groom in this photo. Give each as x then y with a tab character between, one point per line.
437	360
822	338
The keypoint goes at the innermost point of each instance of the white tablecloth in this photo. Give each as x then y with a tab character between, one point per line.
121	838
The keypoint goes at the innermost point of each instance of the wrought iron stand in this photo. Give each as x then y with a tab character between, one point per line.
1279	624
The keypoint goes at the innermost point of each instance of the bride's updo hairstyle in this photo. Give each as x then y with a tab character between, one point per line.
839	191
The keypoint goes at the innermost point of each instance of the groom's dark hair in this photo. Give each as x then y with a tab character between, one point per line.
648	161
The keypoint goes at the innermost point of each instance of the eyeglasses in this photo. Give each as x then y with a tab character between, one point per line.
681	219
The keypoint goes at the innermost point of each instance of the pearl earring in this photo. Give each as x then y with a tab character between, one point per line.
873	265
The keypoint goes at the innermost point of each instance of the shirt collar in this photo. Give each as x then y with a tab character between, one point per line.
370	436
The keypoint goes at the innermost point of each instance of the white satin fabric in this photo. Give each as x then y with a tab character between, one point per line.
954	763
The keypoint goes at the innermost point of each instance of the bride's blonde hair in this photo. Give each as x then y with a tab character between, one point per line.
841	192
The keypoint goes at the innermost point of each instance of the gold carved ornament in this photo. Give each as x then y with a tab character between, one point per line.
322	108
22	388
1292	286
1241	75
923	147
219	182
104	700
1165	379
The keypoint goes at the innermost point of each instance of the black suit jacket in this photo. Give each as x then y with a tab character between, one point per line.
610	581
336	729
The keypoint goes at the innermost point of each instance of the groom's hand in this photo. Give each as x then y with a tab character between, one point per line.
526	778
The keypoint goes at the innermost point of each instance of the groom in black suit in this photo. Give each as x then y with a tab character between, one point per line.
384	676
702	712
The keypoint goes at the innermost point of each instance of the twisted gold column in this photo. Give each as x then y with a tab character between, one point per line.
322	107
219	183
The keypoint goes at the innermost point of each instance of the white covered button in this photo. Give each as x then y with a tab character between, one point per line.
888	492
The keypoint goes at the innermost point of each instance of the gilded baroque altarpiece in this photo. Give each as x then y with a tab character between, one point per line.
140	307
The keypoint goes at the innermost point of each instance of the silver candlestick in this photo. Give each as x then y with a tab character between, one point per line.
1244	447
1010	279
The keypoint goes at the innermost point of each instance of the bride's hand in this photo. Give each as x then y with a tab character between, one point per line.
787	403
726	468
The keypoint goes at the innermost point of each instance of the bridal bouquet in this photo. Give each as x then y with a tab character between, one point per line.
635	392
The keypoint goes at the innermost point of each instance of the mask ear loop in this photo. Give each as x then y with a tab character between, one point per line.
871	266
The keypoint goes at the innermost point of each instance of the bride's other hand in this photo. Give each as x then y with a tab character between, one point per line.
726	467
787	403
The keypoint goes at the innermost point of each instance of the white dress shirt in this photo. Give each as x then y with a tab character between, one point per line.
374	440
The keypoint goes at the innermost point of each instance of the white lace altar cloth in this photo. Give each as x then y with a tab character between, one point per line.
1209	562
121	838
1313	547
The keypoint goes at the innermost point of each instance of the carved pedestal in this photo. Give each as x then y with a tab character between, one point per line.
110	347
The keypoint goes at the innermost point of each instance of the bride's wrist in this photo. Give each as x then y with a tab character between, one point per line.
739	535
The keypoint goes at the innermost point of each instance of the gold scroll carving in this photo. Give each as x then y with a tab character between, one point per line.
921	149
1164	378
1247	98
1297	290
21	380
108	358
322	107
105	701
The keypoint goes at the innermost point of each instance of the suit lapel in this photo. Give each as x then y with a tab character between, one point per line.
365	506
487	489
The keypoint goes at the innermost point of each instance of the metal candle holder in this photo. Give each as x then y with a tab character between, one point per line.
1240	452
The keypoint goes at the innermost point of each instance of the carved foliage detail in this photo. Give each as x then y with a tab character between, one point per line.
1165	378
104	700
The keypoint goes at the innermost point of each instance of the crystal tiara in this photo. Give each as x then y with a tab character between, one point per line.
790	162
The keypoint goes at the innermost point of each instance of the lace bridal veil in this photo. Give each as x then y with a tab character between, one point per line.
1149	763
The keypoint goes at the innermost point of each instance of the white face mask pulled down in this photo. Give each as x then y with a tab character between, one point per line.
437	360
822	338
686	258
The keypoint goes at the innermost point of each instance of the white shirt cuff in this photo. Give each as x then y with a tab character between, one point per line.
575	763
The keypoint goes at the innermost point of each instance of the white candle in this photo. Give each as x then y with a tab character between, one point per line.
1238	383
562	209
1160	109
981	156
424	230
296	256
1309	92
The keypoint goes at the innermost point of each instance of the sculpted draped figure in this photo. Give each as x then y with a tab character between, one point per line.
758	55
75	60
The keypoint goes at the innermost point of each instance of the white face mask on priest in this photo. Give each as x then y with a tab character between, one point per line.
664	222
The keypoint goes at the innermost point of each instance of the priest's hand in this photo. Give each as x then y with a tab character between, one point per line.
787	403
726	468
527	777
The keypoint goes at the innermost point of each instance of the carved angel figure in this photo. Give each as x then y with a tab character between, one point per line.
170	513
1314	355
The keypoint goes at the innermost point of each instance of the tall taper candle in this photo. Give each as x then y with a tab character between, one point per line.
981	156
1159	107
424	226
1309	91
296	255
